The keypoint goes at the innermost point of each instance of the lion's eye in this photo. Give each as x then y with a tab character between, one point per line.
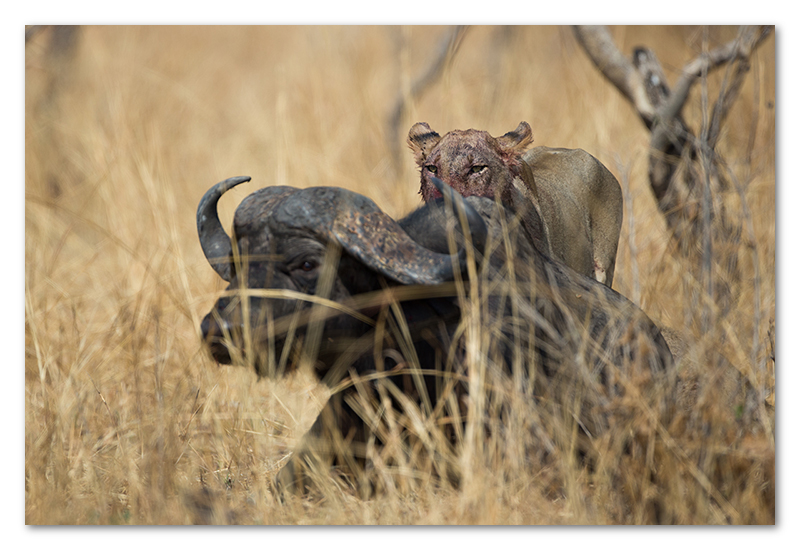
477	168
431	168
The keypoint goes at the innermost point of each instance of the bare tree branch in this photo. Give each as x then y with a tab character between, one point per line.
632	82
643	83
739	48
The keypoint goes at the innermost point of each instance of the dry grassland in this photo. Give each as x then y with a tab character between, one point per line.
128	420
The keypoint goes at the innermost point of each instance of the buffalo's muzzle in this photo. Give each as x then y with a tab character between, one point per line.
218	335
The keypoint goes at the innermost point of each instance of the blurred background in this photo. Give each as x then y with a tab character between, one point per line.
127	126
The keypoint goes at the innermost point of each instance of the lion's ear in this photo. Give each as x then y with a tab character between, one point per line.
517	141
422	140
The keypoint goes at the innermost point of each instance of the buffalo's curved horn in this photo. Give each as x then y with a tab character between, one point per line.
365	232
215	242
476	224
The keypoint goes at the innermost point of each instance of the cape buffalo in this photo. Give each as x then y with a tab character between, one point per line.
323	275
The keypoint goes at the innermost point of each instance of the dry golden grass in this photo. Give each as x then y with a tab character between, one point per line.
127	420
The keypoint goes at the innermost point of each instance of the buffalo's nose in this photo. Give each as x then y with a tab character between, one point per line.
215	333
214	328
206	327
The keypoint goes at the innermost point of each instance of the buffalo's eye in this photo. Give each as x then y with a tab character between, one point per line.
431	168
308	265
477	168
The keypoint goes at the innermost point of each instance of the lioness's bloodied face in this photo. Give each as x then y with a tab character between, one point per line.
471	161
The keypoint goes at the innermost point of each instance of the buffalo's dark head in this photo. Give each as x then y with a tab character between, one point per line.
296	259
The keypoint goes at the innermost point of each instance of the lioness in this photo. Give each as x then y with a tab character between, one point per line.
569	203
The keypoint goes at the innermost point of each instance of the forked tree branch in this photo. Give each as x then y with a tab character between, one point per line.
634	84
641	80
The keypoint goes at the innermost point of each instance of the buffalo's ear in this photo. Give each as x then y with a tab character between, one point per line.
516	141
422	140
